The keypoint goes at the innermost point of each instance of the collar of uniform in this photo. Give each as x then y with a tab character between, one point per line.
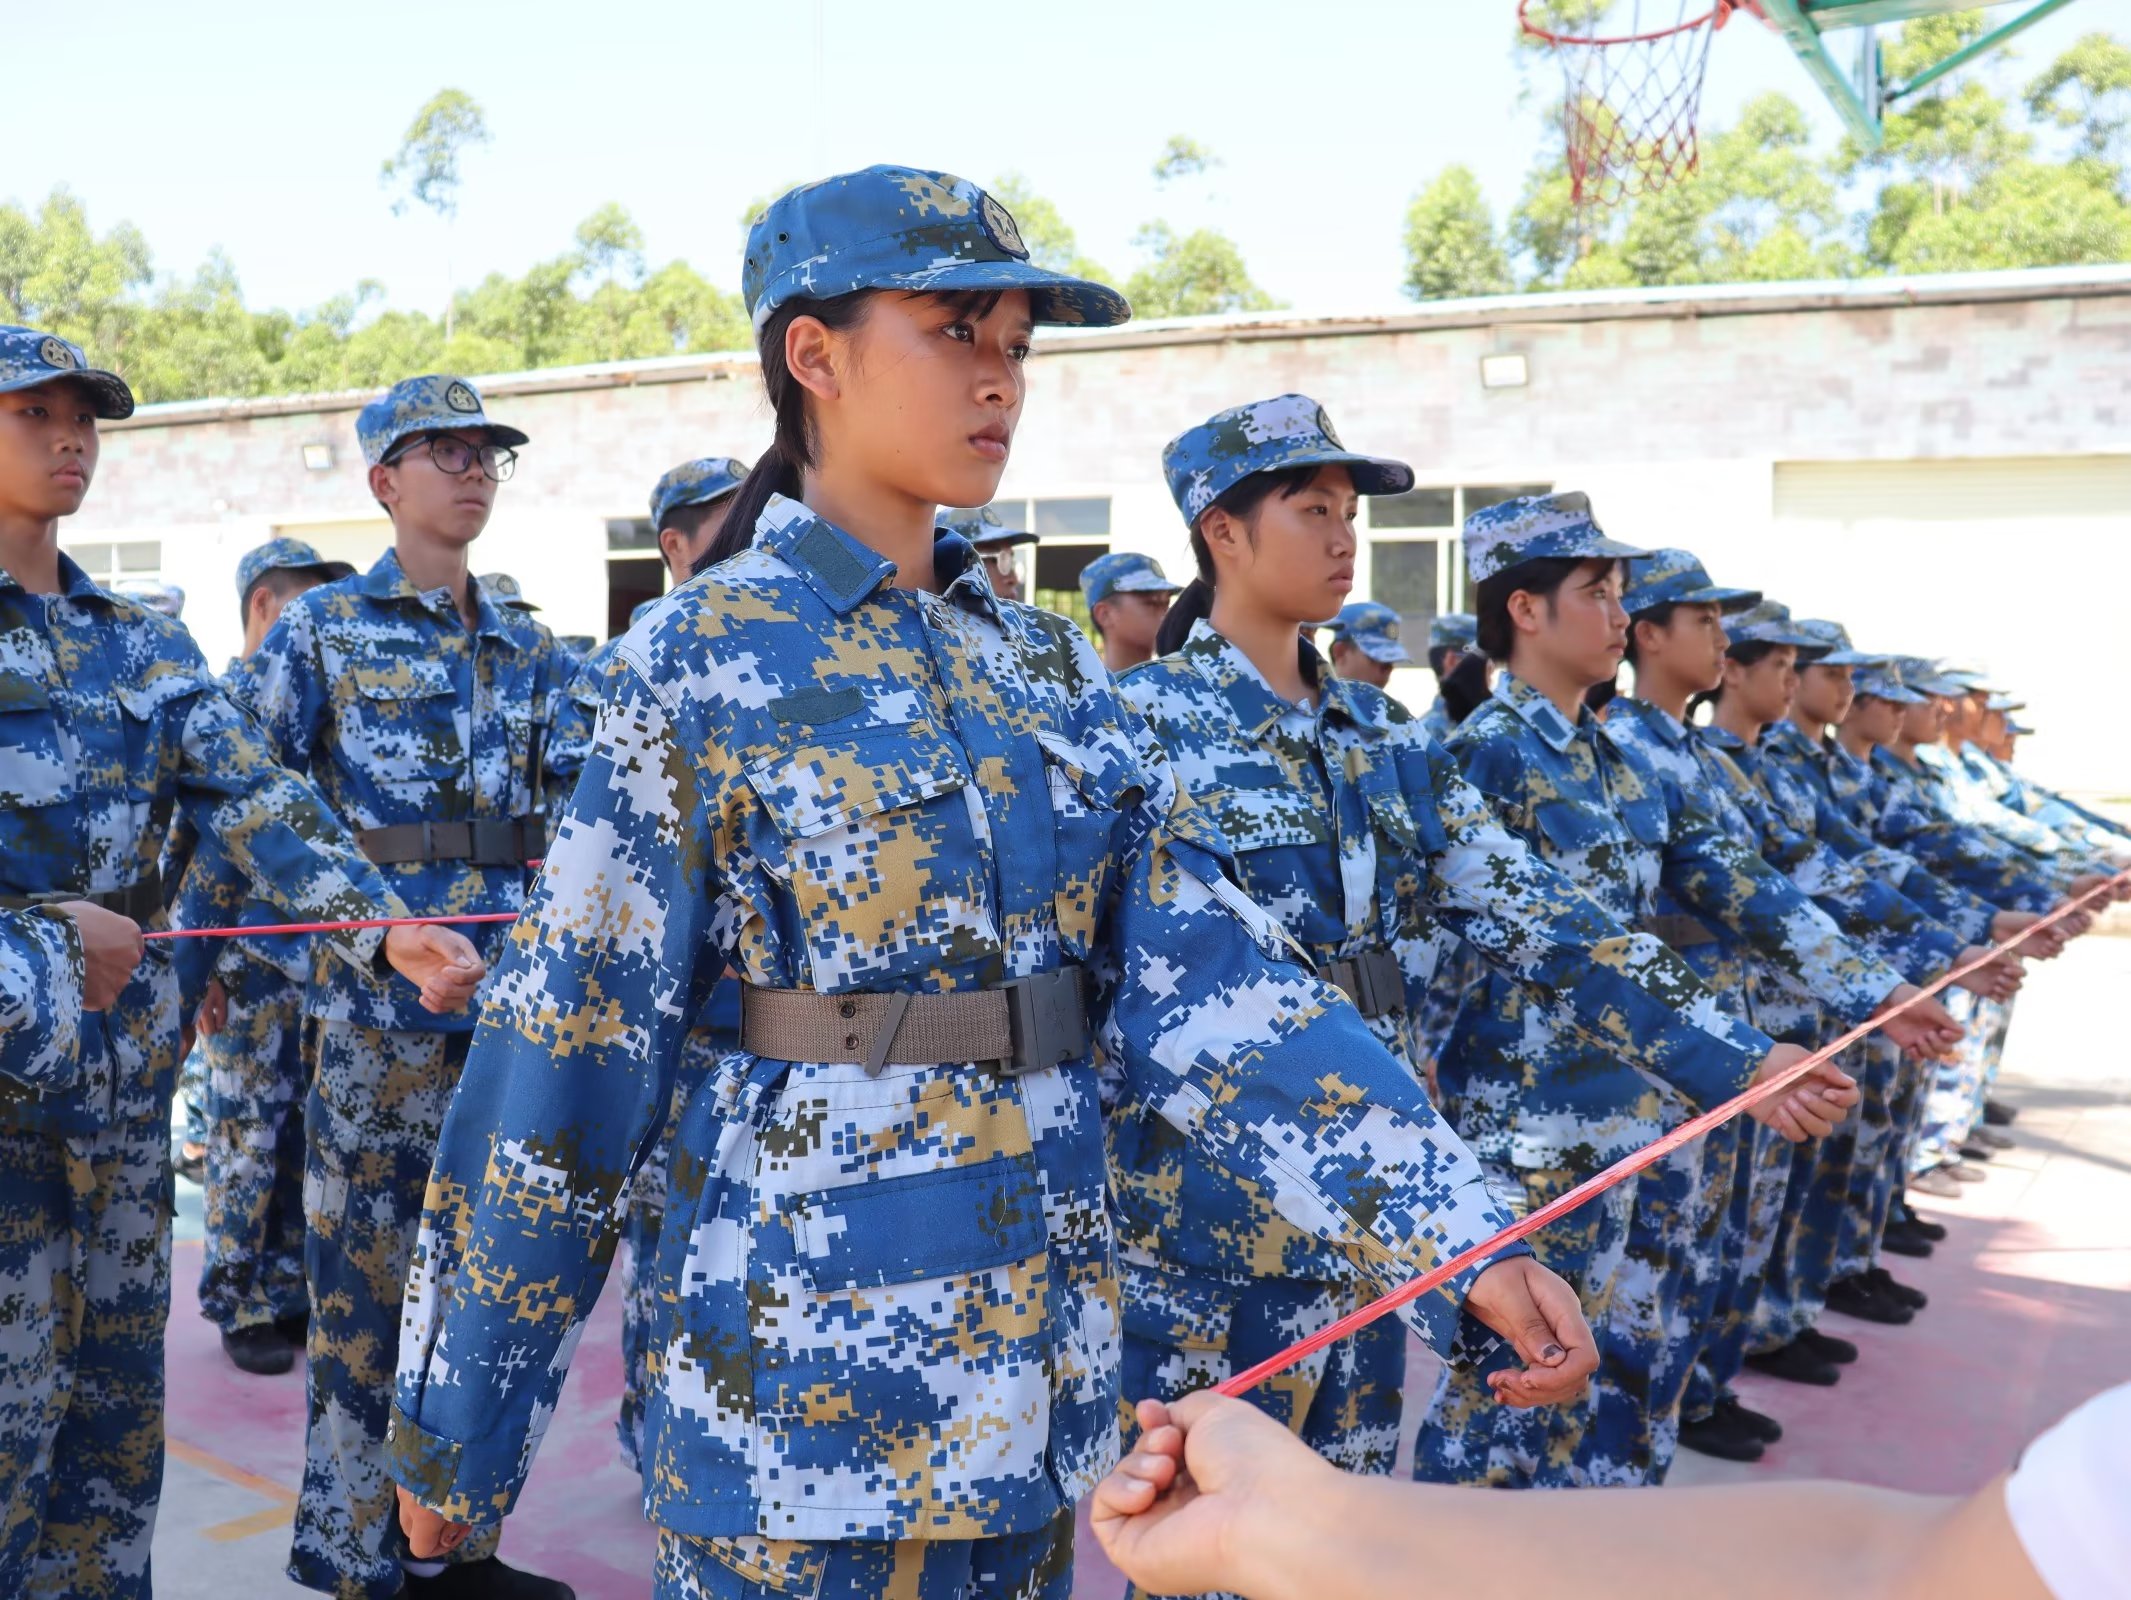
1544	716
1344	697
388	580
1723	738
1661	723
1935	756
74	584
835	566
1787	735
962	577
1223	664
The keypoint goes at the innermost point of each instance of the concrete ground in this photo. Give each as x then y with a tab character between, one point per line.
2030	1313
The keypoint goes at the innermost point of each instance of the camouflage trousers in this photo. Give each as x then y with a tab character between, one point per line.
371	1124
1953	1101
1014	1566
1660	1312
1183	1333
84	1297
1760	1179
1876	1173
252	1269
1810	1232
1468	1437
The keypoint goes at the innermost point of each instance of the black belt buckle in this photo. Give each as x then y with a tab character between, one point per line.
1379	987
1047	1018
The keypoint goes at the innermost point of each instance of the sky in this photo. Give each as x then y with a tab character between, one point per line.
260	128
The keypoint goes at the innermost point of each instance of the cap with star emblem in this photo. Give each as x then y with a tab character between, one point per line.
1289	430
904	228
433	403
29	357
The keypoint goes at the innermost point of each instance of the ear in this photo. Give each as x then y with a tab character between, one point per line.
1225	534
385	486
671	545
814	356
1525	611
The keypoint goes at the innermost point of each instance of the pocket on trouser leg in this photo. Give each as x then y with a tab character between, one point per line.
737	1567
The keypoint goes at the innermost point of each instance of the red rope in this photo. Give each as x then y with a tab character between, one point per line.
1627	1166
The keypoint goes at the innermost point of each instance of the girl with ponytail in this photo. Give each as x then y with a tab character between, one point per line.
1353	827
945	860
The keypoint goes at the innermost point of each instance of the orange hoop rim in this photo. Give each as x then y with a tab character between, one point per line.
1716	14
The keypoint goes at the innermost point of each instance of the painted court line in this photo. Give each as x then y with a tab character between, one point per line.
281	1514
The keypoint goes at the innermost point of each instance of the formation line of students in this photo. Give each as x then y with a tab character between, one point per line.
969	1042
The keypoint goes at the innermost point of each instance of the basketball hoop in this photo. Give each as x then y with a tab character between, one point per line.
1632	86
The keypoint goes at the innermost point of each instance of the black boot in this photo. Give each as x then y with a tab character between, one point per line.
258	1349
1796	1363
486	1579
1861	1298
1900	1293
1902	1240
295	1327
1909	1218
1719	1435
1759	1424
1834	1351
1998	1114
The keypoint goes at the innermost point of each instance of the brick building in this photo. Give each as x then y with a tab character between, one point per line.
1942	462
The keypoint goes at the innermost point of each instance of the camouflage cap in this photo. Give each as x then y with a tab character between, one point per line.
1372	629
285	555
1926	677
1674	577
983	529
2004	702
1123	572
1970	680
2013	727
1289	430
29	357
889	227
695	483
1767	622
435	403
1502	536
1454	630
1831	645
1882	680
505	591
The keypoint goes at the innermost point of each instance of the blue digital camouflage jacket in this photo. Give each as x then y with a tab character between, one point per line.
894	1307
399	714
109	722
1916	813
41	975
1356	830
1527	1086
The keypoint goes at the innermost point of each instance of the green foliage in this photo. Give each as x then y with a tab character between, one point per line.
1962	183
1183	157
1191	275
1451	244
426	165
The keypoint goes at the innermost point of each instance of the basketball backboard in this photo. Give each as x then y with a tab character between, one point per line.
1848	69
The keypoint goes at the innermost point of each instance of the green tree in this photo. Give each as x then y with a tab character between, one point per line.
1191	275
1183	157
611	244
1451	244
2088	89
426	167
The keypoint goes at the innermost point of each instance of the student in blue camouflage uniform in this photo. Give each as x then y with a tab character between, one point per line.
250	1040
109	722
1461	672
1843	768
995	544
946	861
1127	595
1353	828
1531	1092
1364	645
688	507
421	709
1683	1204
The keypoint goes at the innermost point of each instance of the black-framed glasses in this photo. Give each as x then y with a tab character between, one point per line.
454	455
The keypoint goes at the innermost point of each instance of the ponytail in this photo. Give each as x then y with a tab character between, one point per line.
1193	602
773	473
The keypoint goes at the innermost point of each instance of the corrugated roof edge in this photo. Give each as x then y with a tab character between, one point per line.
1601	305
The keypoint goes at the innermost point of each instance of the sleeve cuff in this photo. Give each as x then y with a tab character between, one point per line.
441	1473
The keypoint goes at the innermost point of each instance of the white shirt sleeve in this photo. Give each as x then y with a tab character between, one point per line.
2070	1501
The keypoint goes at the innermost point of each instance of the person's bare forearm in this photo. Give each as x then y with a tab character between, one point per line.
1373	1536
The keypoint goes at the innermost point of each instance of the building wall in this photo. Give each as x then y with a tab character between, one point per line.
1686	423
